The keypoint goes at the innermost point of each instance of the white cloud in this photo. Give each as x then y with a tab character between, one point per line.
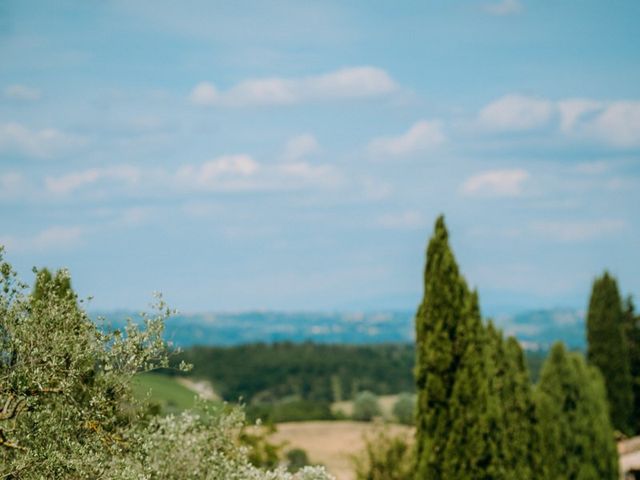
516	113
504	7
300	147
571	231
421	136
408	220
228	172
573	109
351	82
243	173
52	238
496	183
44	143
204	94
619	124
66	184
22	92
614	123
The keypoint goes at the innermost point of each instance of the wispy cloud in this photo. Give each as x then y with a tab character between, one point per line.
615	123
65	184
227	173
619	124
52	238
301	147
515	112
22	92
496	183
406	220
421	136
504	7
45	143
351	82
572	110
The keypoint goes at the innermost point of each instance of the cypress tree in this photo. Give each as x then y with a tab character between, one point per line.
632	333
436	328
575	434
607	349
473	443
451	372
513	430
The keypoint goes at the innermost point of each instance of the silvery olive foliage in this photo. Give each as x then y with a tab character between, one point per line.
66	403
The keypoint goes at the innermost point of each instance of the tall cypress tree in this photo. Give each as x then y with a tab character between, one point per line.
608	350
575	434
631	323
471	448
451	372
513	430
436	361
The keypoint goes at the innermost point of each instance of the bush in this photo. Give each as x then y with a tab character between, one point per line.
404	409
365	407
296	459
385	457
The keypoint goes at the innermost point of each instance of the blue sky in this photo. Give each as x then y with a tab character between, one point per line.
294	155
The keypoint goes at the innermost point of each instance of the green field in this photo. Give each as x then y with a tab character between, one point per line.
165	391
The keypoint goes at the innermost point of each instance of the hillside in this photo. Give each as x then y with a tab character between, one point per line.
535	329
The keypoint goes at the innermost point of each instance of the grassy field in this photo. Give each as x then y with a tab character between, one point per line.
332	443
166	391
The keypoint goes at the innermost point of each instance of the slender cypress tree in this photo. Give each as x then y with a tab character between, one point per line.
632	333
451	372
473	443
608	350
437	322
575	434
513	430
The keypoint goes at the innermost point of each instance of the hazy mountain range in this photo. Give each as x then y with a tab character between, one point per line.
535	329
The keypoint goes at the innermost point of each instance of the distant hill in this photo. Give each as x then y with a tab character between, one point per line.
535	329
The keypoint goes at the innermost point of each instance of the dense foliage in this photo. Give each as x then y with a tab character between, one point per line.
385	457
263	373
404	410
607	348
631	323
66	403
451	372
575	433
365	407
477	416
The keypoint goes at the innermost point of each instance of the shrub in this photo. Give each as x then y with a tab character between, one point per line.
365	407
296	459
404	409
385	457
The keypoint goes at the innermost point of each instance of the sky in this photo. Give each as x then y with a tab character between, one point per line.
294	155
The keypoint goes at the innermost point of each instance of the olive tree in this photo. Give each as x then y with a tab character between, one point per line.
66	403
